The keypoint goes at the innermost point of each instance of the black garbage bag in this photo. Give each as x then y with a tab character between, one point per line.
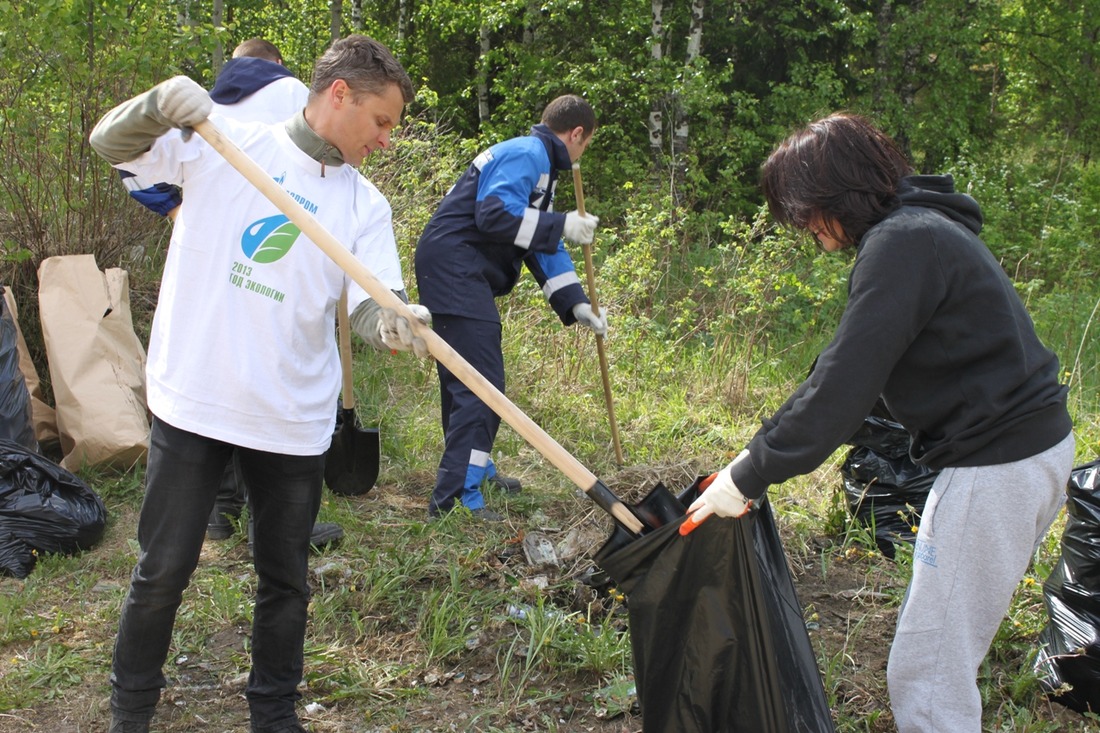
717	632
43	509
884	489
16	423
1068	661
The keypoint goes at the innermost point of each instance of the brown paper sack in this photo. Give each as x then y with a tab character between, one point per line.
97	363
42	415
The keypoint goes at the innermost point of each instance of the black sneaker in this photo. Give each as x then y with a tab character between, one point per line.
220	526
289	727
128	726
325	534
486	515
506	484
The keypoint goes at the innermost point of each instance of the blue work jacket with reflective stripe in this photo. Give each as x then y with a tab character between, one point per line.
497	217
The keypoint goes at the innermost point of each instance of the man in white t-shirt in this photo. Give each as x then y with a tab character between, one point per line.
242	354
254	86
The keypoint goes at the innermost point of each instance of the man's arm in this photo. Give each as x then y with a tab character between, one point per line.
131	128
557	276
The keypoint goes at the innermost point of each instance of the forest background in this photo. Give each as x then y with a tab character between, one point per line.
715	314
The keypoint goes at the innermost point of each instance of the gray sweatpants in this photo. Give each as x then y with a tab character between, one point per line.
980	528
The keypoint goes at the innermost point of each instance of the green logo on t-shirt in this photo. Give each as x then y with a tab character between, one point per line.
267	240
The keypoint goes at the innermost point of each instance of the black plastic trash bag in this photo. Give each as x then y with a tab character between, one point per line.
1068	662
884	489
716	629
43	509
16	423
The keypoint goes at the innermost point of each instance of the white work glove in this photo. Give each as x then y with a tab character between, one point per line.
584	315
721	497
183	103
396	332
580	229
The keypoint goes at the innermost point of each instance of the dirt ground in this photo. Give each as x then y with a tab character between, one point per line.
848	619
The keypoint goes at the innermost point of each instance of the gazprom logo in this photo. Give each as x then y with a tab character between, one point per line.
267	240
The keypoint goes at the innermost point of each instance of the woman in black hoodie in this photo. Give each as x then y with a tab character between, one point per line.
933	325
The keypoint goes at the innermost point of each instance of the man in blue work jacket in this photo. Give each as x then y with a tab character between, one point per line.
498	217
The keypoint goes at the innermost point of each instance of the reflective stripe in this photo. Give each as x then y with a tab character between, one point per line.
558	282
481	160
479	458
544	187
527	229
131	183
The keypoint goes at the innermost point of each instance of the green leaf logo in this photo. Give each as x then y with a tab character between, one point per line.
268	240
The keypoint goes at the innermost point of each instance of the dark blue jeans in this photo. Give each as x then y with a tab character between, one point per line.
182	480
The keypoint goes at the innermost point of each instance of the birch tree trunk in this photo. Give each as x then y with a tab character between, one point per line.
357	16
218	58
183	16
336	18
656	52
483	75
402	21
896	83
694	48
530	20
884	18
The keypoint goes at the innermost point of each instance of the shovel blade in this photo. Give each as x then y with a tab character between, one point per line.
659	507
351	462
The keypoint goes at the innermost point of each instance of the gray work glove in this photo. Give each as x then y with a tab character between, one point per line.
580	228
584	315
183	103
396	332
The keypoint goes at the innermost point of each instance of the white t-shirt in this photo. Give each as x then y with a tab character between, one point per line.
242	347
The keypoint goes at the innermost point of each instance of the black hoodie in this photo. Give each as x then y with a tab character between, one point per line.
934	325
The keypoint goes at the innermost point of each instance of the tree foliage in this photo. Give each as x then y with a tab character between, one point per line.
1004	93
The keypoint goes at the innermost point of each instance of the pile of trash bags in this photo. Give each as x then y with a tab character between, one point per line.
1068	662
884	489
44	508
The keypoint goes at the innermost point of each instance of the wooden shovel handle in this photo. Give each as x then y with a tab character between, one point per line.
343	329
590	274
448	357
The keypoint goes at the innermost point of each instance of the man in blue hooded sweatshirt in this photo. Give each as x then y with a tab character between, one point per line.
497	218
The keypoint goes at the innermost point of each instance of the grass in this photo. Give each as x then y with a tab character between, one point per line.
409	619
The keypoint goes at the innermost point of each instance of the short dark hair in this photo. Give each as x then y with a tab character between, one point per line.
840	167
366	65
258	48
568	112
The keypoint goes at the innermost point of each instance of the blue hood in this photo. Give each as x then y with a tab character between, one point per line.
243	76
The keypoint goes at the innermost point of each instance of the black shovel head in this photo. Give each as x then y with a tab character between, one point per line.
351	462
716	629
